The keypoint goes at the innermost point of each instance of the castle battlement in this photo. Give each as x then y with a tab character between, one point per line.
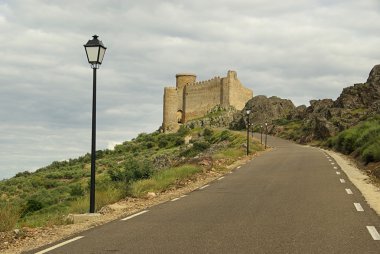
191	99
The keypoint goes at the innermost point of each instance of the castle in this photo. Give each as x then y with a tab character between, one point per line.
190	99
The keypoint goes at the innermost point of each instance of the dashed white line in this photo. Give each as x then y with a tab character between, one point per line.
373	232
220	178
358	207
134	215
174	199
342	180
335	167
59	245
238	167
337	172
349	192
332	163
183	196
205	186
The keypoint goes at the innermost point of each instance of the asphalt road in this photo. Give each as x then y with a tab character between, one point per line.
288	200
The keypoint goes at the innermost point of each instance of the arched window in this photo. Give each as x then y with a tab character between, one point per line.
179	116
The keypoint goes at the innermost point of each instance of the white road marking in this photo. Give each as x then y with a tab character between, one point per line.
330	159
59	245
375	235
220	178
335	167
337	172
205	186
332	163
238	167
134	215
358	207
349	191
174	199
342	180
183	196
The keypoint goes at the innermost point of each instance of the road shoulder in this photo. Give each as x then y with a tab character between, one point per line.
370	192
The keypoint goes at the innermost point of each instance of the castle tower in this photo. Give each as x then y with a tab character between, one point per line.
170	122
183	79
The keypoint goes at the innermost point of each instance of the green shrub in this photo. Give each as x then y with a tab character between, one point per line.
32	205
371	153
76	190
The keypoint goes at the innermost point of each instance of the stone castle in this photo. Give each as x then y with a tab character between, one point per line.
190	99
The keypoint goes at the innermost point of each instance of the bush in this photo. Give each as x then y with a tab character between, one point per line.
76	190
371	153
135	170
32	205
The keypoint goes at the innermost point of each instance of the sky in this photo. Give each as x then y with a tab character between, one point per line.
295	49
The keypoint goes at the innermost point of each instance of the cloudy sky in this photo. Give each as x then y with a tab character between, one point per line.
296	49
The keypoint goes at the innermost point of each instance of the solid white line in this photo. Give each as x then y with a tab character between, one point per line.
59	245
358	207
342	180
134	215
174	199
375	235
349	191
205	186
220	178
337	172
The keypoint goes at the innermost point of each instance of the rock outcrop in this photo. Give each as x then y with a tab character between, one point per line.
263	110
323	118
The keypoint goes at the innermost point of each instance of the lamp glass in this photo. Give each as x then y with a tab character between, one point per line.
102	51
92	54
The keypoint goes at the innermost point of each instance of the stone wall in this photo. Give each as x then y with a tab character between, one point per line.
200	97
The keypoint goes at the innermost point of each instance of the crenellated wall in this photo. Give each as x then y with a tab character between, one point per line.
200	97
191	99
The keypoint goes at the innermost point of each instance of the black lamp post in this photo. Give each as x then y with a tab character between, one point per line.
95	51
248	111
266	134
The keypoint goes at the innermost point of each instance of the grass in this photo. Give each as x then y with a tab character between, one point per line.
163	180
9	215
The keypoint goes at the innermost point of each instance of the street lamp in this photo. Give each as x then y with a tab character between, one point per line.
266	134
248	111
261	132
95	51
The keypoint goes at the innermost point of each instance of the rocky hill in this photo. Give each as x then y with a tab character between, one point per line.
322	119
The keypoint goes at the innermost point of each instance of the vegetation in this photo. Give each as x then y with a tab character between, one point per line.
361	141
149	163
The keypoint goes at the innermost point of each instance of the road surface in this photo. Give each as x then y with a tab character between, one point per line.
293	199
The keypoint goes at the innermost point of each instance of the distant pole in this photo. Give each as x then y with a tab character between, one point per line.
266	134
261	132
248	126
